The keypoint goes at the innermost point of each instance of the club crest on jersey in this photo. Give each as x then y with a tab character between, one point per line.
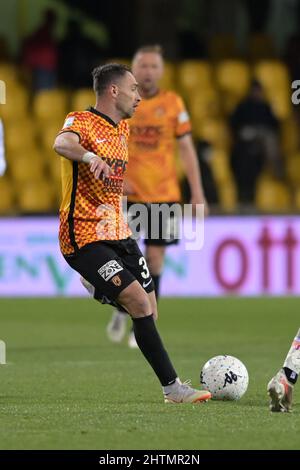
69	121
117	280
109	269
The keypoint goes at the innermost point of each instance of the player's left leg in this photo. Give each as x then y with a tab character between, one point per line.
280	387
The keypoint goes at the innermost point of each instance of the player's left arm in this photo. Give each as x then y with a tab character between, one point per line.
189	158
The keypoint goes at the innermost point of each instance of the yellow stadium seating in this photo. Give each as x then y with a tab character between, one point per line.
204	104
273	75
48	133
54	165
297	199
290	138
220	166
228	196
194	75
215	131
272	196
233	76
167	81
16	106
19	135
233	80
280	101
293	169
222	46
36	197
6	196
8	72
82	99
27	165
50	105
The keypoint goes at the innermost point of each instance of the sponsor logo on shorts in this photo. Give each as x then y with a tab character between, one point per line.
109	269
117	280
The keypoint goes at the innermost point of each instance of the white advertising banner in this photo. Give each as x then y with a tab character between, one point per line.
240	255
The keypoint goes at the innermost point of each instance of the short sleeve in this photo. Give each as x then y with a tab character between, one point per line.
77	122
183	123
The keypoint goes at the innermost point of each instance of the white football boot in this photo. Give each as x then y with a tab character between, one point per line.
280	391
183	393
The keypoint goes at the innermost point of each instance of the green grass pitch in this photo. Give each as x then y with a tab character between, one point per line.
65	386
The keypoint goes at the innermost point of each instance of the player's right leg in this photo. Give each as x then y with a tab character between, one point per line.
136	301
116	328
280	387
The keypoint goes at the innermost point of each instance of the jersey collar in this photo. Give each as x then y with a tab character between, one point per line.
104	116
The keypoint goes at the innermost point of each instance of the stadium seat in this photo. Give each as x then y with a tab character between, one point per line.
6	196
194	75
36	197
280	101
293	169
219	163
27	165
48	133
222	46
50	105
54	165
167	81
19	135
233	80
8	72
261	46
82	99
16	105
273	76
297	199
214	131
290	139
204	104
272	196
227	196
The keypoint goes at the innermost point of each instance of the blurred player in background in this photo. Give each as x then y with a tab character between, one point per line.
94	238
280	387
160	126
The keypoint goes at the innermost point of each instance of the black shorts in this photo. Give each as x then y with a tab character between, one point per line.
156	227
110	266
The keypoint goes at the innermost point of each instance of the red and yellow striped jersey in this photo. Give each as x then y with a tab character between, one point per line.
91	209
154	128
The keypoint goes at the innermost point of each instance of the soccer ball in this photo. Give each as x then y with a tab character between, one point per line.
225	377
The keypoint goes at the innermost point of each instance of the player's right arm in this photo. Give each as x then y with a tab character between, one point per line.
67	145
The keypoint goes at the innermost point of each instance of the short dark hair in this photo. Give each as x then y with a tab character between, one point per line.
153	48
105	75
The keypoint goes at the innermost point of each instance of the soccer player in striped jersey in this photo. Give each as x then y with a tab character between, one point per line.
94	238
